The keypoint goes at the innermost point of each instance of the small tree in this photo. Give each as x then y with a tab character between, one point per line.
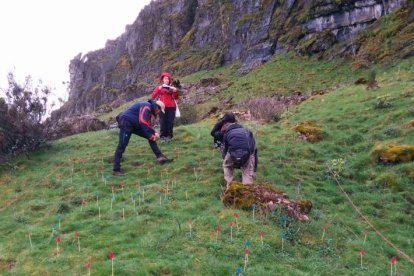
21	114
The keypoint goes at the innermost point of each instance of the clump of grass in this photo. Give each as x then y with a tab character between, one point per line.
388	180
393	153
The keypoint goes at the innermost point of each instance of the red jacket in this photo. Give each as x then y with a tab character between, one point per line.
164	94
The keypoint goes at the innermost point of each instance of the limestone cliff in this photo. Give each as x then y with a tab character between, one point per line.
184	36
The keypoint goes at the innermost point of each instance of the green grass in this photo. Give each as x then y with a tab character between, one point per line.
288	73
284	74
154	240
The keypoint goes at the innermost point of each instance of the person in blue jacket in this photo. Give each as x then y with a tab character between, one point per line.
137	120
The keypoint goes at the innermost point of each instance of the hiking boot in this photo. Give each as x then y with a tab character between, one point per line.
168	139
119	173
163	139
163	159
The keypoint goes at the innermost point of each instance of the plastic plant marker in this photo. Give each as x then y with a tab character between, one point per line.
112	257
261	236
362	253
365	236
254	209
58	240
77	237
30	240
190	224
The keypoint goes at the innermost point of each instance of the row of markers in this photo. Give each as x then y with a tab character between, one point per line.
238	270
232	224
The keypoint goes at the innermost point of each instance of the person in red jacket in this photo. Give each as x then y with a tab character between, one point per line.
168	95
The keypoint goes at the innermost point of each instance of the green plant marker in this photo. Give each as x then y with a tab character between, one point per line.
283	240
166	192
190	224
133	200
58	221
99	212
253	209
30	240
195	174
139	200
53	229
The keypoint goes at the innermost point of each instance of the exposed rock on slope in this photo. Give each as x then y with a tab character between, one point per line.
184	36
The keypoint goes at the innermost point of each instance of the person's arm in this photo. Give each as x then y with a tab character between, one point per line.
215	132
155	92
145	123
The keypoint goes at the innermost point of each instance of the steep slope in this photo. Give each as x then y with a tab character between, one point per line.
67	185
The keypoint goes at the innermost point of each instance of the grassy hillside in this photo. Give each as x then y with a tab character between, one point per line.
154	238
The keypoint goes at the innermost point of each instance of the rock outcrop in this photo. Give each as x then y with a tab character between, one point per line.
73	125
184	36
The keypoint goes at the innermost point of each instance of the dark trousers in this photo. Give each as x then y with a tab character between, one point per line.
125	131
167	122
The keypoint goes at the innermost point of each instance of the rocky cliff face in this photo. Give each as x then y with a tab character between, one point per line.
184	36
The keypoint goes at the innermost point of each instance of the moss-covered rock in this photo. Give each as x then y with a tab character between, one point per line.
309	131
265	197
393	153
410	124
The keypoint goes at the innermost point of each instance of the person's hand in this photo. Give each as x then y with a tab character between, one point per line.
157	136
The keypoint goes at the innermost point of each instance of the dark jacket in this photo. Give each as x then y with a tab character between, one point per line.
137	119
238	140
237	137
216	132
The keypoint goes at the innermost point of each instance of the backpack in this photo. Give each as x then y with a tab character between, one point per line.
239	157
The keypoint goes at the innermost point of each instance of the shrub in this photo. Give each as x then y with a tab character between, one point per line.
265	108
392	132
21	115
383	102
393	153
188	115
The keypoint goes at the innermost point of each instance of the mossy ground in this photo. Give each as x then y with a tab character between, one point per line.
155	240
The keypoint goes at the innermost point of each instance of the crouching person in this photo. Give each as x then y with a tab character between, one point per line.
239	152
137	120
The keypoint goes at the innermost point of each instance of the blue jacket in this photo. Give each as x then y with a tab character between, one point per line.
139	116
